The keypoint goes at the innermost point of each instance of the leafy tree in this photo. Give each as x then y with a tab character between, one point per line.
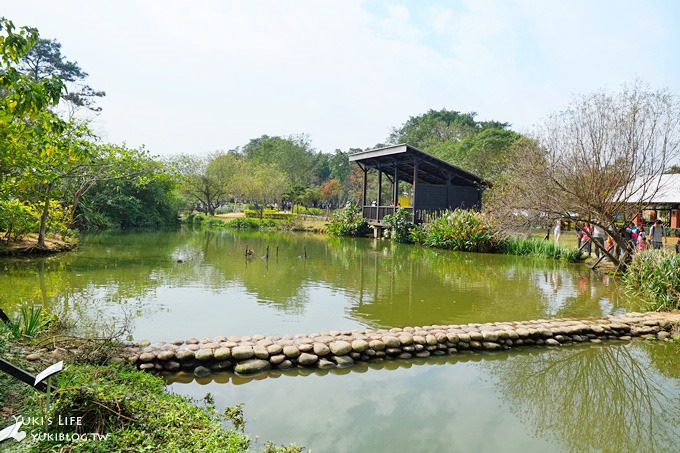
295	195
45	60
264	184
292	155
484	153
331	191
437	126
477	146
211	180
597	161
139	192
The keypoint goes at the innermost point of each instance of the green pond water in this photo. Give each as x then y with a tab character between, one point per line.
177	285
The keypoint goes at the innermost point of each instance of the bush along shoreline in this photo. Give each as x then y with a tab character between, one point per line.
100	406
459	230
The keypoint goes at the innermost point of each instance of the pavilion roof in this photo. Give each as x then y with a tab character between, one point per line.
431	169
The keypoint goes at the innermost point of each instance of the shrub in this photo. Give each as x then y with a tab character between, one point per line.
243	224
462	230
17	219
654	275
400	226
348	221
673	232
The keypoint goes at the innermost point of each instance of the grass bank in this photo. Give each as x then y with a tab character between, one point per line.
114	408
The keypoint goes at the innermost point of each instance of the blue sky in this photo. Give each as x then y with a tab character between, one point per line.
205	75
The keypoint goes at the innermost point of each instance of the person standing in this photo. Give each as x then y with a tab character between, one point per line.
657	234
642	239
557	232
598	236
586	238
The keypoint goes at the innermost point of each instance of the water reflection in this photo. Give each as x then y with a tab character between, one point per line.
577	398
592	398
195	284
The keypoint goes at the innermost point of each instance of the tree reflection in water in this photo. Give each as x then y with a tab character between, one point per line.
592	397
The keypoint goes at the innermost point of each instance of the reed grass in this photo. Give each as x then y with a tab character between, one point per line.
654	276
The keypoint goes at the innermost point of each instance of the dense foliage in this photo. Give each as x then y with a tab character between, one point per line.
461	230
654	276
400	226
348	221
480	147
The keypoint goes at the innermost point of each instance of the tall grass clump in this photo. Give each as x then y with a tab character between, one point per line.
654	276
31	322
460	230
539	248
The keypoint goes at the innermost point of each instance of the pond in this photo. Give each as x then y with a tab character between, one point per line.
183	284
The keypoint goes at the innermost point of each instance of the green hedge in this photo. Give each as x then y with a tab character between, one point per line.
269	214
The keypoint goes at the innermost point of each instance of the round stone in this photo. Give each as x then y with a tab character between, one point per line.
340	348
320	349
305	347
204	355
222	353
252	366
166	355
306	359
145	357
291	351
277	359
361	345
201	371
489	336
261	352
274	349
344	361
376	345
286	364
325	364
406	338
184	354
391	341
242	353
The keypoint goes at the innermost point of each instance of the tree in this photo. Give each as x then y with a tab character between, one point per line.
292	155
264	184
598	161
434	127
477	146
331	191
137	191
45	60
211	180
483	153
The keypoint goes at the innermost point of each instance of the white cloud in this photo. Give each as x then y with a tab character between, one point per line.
206	75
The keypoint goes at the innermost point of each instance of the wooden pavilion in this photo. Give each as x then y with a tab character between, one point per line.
435	185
